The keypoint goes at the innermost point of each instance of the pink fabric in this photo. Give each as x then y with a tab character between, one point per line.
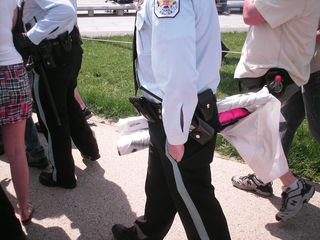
232	115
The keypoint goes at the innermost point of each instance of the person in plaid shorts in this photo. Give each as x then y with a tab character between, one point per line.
15	108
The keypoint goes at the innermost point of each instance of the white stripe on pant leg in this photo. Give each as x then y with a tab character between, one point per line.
36	80
187	199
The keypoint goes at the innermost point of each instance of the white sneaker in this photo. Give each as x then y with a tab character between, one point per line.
252	183
294	199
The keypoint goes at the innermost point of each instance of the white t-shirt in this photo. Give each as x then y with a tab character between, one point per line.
8	53
315	63
286	40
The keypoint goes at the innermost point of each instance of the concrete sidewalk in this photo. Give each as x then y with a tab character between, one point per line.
111	190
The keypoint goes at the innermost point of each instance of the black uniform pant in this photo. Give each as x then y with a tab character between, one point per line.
183	187
62	81
10	227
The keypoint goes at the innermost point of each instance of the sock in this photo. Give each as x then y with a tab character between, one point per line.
291	186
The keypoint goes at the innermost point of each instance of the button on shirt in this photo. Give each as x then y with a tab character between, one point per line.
179	53
48	18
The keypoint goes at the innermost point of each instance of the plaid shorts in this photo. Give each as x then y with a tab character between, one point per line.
15	94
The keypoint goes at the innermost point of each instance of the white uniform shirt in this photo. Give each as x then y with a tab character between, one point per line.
8	53
49	18
179	56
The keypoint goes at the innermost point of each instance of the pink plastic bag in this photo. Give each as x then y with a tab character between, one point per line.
230	116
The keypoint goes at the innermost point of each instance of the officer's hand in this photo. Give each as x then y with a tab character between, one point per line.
21	41
176	151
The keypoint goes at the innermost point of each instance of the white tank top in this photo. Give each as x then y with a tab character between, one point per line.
8	53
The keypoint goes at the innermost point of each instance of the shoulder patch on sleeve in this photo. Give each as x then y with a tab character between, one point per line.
166	8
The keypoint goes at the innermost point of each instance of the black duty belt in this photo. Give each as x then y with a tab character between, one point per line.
73	38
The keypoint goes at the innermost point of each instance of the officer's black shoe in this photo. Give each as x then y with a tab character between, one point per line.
121	232
45	178
90	158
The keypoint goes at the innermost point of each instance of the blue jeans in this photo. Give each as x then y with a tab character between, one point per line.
33	146
305	103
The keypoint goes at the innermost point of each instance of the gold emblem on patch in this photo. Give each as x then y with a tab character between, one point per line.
166	8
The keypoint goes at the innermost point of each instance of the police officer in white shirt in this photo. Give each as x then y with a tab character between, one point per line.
52	31
178	57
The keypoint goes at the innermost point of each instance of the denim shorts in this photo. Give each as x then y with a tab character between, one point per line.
15	94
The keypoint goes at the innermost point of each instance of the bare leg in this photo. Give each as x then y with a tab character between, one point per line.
79	99
287	179
13	139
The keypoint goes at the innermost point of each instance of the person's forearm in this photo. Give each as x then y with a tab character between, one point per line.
14	19
251	15
318	35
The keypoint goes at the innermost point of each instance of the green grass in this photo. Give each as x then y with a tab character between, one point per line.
105	79
106	82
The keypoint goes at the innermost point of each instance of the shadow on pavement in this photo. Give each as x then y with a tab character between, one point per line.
305	225
48	232
90	209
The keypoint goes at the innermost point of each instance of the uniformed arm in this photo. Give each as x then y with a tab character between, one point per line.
251	15
59	12
174	67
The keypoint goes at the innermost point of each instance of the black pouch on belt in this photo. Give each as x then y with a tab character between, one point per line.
200	130
205	122
206	105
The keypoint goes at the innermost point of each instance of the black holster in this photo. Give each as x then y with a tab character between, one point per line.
46	55
151	111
